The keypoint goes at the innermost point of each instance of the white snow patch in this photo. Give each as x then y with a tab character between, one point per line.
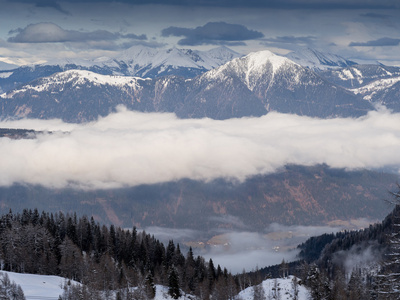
285	289
370	89
39	286
5	74
51	287
358	72
346	74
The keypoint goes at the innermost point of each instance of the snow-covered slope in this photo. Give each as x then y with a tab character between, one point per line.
368	91
76	79
149	62
318	60
278	288
252	68
38	286
45	287
359	75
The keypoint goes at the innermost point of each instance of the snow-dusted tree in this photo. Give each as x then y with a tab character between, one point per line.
355	288
258	291
318	283
284	269
276	290
387	282
295	286
9	290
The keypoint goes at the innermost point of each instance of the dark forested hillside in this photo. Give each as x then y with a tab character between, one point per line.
105	258
294	196
362	264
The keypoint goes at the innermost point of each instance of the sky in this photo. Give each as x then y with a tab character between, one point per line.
36	31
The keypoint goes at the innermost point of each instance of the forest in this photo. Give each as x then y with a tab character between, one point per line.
106	260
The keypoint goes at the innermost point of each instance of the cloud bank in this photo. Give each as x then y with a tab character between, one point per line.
130	148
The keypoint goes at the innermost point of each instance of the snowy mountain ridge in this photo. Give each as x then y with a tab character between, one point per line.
77	78
145	61
318	60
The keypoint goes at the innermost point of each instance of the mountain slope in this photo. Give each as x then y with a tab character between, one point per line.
266	82
359	75
318	60
383	92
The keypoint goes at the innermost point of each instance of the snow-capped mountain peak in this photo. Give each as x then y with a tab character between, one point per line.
251	68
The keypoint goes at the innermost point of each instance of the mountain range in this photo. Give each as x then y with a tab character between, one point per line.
137	61
251	85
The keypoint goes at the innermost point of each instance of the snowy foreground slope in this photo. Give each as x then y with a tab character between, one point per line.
51	287
38	286
277	288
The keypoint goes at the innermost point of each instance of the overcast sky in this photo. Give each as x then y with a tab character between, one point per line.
33	31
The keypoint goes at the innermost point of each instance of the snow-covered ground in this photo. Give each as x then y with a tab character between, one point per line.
35	287
46	287
282	286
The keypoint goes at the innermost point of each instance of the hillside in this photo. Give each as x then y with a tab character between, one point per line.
295	196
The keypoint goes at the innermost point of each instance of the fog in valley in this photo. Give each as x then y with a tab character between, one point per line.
246	250
130	148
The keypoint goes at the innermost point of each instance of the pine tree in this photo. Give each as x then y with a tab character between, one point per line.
258	292
173	283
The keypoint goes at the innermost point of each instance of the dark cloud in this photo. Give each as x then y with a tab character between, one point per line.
375	16
292	4
302	40
213	33
377	43
52	4
292	39
52	33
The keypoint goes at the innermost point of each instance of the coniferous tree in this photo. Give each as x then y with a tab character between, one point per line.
173	283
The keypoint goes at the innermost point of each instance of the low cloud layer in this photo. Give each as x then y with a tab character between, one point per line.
213	33
131	148
238	250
